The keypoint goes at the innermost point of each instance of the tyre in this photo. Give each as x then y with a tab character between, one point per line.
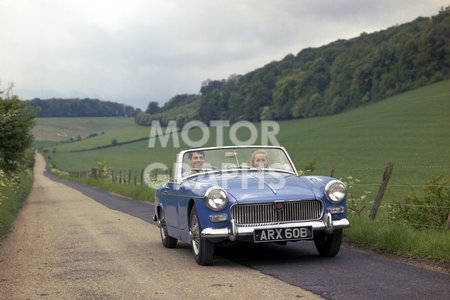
202	248
328	245
166	239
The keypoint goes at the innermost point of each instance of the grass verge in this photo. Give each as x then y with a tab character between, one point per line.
400	239
137	192
14	189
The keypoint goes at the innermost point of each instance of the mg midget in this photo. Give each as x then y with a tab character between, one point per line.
247	194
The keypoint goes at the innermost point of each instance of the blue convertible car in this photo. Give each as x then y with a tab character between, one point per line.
249	194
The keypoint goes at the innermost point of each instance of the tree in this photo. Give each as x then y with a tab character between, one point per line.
208	86
16	121
152	108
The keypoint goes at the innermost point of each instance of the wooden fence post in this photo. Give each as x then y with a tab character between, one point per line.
332	171
383	186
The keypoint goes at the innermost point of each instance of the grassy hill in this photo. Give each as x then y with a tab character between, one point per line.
411	130
62	129
408	129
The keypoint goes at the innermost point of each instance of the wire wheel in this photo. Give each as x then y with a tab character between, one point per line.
166	239
202	248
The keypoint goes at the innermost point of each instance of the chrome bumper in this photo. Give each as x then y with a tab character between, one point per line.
233	231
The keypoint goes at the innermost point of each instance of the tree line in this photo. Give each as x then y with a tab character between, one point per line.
81	108
322	81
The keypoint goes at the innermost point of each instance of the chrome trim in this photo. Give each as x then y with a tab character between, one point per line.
233	232
265	213
328	219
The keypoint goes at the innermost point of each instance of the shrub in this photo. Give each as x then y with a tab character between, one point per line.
356	204
102	169
426	208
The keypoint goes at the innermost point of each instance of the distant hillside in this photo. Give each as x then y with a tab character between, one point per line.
410	129
81	108
181	108
327	80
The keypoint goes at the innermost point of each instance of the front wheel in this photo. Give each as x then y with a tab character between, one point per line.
166	239
328	245
202	248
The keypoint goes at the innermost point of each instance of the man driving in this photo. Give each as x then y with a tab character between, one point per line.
196	160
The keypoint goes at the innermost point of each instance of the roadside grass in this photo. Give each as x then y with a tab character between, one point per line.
137	192
400	239
14	189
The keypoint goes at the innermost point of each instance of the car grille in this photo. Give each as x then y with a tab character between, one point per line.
266	213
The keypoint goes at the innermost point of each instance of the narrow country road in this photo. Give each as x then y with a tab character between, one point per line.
65	245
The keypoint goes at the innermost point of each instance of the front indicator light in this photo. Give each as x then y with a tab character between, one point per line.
218	218
336	210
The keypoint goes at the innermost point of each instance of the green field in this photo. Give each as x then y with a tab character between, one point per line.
62	129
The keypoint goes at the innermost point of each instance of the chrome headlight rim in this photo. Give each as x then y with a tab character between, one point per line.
335	191
216	198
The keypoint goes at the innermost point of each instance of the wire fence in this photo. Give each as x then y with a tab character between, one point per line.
360	181
413	191
129	177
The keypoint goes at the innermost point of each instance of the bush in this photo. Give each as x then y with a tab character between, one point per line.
356	204
14	188
426	208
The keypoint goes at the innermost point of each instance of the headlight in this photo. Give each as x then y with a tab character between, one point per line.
216	198
335	191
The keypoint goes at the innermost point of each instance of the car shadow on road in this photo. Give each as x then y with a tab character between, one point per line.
272	254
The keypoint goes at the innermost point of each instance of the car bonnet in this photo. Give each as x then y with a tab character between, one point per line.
261	186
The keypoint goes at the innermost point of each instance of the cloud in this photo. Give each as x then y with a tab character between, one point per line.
138	51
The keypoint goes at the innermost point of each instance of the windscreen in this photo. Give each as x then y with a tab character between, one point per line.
195	162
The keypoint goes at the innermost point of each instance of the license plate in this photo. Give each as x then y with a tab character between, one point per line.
282	234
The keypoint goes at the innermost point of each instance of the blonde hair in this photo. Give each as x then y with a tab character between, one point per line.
259	152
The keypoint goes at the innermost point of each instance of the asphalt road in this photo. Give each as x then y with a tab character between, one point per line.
242	271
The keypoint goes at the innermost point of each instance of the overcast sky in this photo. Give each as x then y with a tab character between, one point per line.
137	51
